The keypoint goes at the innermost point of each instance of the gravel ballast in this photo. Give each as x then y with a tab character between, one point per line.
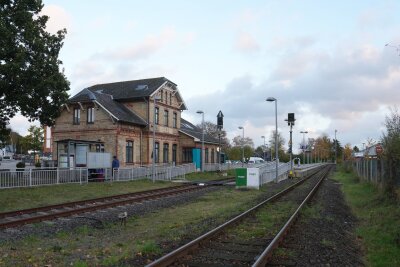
323	235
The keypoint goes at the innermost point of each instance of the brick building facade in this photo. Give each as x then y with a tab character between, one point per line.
119	117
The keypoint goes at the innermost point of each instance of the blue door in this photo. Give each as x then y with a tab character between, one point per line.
197	157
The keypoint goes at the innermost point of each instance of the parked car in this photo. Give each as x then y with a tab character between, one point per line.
253	160
17	157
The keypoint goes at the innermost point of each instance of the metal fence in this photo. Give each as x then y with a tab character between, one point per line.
12	178
38	177
160	172
370	169
268	172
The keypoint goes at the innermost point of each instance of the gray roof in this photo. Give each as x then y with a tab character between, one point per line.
131	89
196	132
118	110
110	96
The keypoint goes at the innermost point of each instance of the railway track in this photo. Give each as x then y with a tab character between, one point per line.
226	245
45	213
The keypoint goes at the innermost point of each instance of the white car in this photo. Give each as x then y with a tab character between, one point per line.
254	160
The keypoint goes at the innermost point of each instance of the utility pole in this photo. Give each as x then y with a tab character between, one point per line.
290	120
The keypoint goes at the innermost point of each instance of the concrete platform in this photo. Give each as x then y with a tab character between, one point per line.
303	171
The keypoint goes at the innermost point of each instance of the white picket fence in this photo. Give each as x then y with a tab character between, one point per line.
13	178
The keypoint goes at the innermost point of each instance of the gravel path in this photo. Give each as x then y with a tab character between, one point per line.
323	235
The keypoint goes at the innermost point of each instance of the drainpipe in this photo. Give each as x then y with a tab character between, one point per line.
141	147
116	142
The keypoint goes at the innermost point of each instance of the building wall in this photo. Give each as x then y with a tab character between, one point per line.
186	141
115	135
103	129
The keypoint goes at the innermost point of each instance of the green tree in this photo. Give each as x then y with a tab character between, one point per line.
347	151
239	141
4	135
234	153
31	81
281	148
211	129
391	154
34	140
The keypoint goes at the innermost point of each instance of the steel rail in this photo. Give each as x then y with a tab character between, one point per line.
267	253
185	249
97	206
83	202
93	200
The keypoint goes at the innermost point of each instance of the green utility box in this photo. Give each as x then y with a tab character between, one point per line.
241	177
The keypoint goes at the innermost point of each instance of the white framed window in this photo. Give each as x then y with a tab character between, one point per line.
77	116
90	115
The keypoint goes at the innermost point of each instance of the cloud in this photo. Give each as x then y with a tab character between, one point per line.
346	89
246	43
140	50
189	38
20	124
58	18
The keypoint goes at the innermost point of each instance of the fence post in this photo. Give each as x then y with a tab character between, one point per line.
80	175
30	177
58	175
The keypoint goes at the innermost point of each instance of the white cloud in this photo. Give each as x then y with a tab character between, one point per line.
189	38
20	124
58	18
140	50
245	42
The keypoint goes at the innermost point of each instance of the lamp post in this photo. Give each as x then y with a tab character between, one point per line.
202	139
155	99
242	128
304	143
263	137
272	99
335	147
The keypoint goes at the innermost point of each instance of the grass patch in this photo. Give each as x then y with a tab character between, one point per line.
379	220
327	243
24	198
284	253
268	221
311	212
148	247
143	235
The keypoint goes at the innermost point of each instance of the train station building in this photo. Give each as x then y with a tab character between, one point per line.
125	119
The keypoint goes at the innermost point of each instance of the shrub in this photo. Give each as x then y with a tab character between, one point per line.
20	165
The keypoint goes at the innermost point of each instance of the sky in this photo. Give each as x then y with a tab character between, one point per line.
325	61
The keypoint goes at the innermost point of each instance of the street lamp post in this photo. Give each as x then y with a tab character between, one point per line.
304	143
272	99
242	128
263	137
202	139
155	99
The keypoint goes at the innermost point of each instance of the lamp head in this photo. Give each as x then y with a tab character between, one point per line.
271	99
263	136
199	112
240	127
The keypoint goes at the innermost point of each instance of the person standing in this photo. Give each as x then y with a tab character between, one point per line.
114	164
